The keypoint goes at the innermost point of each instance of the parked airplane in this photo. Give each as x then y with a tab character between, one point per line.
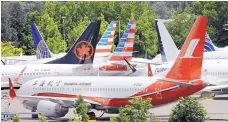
82	52
53	96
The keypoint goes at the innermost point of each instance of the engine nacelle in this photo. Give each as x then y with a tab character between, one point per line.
50	109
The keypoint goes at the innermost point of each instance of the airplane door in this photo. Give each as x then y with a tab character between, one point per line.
158	88
57	71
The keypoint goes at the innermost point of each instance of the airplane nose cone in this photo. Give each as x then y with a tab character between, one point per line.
205	83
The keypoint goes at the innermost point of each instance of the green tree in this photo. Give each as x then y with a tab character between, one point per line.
81	109
7	49
181	25
74	34
217	18
146	36
49	31
188	110
42	118
16	118
77	118
137	111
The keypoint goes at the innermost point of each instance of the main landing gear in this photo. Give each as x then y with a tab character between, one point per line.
34	115
91	115
207	94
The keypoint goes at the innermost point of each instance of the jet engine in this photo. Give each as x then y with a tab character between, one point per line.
50	109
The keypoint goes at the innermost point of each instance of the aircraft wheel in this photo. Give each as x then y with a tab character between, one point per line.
91	115
212	94
207	94
34	115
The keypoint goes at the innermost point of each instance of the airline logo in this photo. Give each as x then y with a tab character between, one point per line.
83	50
208	46
191	48
42	50
124	48
105	43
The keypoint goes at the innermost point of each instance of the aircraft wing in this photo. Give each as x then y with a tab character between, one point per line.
149	62
66	102
218	82
216	88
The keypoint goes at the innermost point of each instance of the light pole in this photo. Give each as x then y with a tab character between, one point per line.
63	27
226	26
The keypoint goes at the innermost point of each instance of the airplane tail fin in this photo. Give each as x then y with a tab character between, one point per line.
41	48
167	47
12	93
83	50
188	64
124	48
104	46
209	46
150	74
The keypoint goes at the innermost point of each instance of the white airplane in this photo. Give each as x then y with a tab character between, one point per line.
53	96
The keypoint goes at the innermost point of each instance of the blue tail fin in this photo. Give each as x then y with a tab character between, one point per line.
208	45
83	50
40	46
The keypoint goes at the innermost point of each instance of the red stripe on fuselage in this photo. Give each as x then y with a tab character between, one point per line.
113	68
120	58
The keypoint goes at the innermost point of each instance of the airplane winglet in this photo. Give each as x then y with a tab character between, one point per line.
129	64
12	93
3	62
19	75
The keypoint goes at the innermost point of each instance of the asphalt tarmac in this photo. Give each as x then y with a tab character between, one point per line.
217	109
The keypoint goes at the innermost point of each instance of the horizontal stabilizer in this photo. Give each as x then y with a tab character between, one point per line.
180	83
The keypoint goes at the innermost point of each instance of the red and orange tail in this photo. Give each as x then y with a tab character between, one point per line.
12	93
189	61
150	74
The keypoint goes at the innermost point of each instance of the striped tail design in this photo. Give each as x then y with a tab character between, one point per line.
125	47
104	46
208	46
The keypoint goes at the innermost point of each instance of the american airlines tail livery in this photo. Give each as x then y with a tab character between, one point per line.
55	95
